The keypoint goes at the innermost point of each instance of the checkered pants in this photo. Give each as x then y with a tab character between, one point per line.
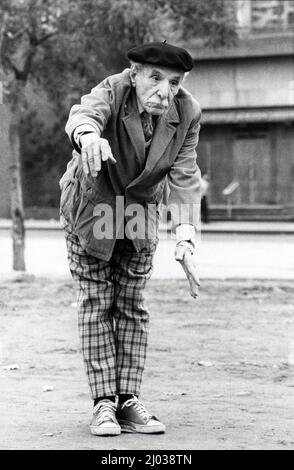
113	320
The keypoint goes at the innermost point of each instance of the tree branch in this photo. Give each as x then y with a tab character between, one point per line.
45	37
28	64
35	42
13	66
22	74
2	32
16	35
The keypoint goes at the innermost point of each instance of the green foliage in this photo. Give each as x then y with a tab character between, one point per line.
45	152
66	46
213	21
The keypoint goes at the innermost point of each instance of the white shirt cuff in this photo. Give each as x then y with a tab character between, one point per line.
185	232
80	129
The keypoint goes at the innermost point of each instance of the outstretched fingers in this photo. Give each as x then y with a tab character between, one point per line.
94	151
106	153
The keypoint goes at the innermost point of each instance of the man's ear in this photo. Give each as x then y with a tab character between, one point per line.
133	74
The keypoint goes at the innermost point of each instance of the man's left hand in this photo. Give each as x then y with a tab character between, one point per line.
184	254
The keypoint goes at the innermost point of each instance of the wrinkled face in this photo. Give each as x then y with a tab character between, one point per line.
156	86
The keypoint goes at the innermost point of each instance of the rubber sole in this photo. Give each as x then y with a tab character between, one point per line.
139	428
98	431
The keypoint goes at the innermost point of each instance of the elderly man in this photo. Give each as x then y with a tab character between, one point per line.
135	132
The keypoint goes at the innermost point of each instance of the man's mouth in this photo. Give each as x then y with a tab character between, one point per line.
156	105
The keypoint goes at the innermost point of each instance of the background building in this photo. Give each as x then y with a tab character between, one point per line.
247	96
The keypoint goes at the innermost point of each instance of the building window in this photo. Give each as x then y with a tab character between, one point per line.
260	16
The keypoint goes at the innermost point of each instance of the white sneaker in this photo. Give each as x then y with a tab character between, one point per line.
134	417
104	422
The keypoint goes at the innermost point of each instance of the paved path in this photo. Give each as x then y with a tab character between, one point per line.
220	256
265	227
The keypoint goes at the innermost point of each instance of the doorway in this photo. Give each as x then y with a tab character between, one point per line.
252	168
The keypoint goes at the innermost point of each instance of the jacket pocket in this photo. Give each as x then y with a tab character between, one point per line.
156	197
69	198
96	189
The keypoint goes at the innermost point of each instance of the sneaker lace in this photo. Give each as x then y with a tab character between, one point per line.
105	411
139	407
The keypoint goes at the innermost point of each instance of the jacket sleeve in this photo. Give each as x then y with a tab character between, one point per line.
94	110
184	180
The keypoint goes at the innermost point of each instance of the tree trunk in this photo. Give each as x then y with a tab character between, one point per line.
17	210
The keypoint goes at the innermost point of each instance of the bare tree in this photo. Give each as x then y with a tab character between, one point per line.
18	232
23	30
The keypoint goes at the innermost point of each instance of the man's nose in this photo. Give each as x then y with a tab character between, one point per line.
163	89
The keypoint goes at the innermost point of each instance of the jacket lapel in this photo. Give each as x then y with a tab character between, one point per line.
164	131
132	122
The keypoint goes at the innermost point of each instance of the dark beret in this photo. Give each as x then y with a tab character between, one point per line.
161	53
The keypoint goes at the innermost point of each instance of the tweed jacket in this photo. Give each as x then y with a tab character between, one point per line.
111	108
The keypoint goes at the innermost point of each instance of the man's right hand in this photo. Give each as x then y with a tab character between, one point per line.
94	151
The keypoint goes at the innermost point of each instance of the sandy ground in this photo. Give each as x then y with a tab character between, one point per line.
241	397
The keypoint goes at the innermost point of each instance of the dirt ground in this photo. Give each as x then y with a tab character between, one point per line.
218	373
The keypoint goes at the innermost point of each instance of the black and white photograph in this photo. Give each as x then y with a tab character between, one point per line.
146	227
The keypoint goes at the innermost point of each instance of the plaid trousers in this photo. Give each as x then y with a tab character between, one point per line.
112	317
